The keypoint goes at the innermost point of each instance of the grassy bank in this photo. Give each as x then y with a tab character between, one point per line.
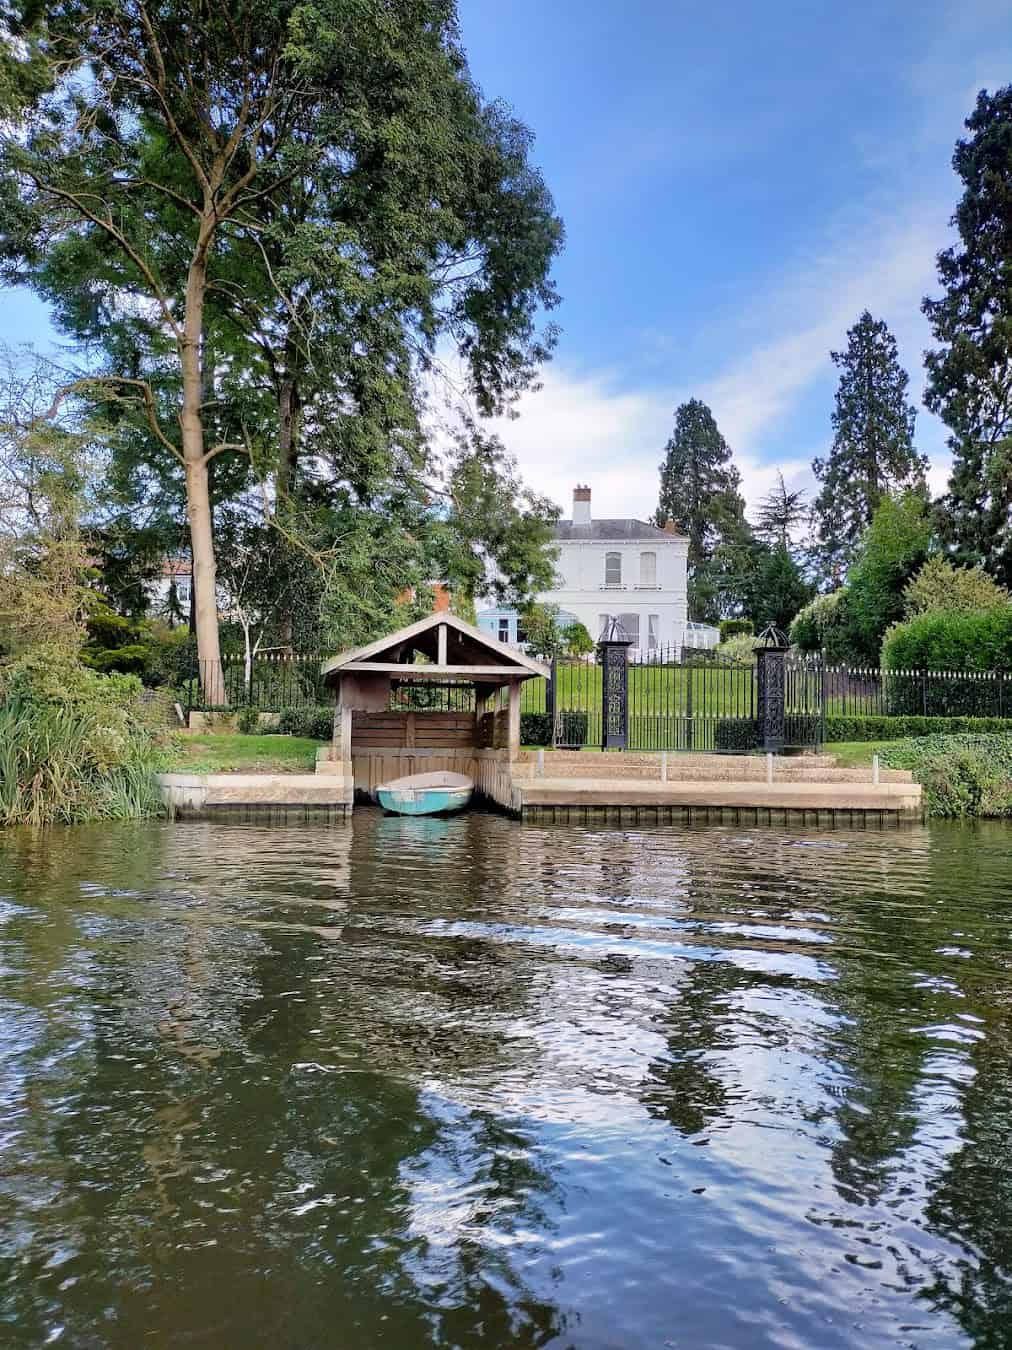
962	776
232	753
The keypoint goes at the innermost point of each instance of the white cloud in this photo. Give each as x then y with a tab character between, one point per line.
608	427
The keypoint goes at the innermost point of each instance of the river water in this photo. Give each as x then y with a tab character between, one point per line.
413	1083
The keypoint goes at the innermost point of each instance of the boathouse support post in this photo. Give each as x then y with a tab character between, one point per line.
514	720
341	751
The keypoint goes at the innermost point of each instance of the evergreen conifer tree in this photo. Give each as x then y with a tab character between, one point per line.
700	492
970	372
873	444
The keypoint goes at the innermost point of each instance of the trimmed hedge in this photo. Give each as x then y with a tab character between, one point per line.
979	641
903	728
736	733
535	728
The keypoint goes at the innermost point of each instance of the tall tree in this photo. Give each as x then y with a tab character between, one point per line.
700	492
873	444
781	514
970	372
169	142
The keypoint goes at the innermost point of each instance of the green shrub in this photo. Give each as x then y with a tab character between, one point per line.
823	626
730	628
861	728
961	775
316	723
941	640
736	733
536	728
940	585
248	721
736	651
75	745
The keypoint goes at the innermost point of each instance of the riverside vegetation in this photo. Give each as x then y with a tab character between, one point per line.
76	746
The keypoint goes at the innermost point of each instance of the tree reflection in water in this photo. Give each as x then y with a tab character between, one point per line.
478	1084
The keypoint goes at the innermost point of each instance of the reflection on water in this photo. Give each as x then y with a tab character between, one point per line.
472	1083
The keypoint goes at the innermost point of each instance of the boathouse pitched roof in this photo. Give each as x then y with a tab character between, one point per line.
452	650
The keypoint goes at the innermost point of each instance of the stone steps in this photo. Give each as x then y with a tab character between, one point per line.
901	800
715	769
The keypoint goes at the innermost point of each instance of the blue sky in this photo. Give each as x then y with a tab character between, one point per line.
738	181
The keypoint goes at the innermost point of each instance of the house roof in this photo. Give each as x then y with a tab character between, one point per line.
565	530
469	654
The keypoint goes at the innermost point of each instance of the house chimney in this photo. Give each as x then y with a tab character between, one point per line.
669	526
581	505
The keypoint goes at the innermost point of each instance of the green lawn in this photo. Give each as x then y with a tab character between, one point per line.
653	690
849	753
228	752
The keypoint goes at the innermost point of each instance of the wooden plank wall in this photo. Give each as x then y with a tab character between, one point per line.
407	730
490	769
371	767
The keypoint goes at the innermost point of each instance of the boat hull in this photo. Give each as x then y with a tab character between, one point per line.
426	794
434	801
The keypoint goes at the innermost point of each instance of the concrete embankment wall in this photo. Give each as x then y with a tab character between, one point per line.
257	796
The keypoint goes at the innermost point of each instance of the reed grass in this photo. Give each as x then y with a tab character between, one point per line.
70	764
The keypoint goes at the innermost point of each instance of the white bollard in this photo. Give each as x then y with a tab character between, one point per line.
875	776
541	764
769	770
664	766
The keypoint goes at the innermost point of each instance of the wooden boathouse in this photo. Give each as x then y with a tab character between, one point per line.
374	742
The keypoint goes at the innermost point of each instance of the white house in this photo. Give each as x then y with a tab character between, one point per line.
621	568
159	588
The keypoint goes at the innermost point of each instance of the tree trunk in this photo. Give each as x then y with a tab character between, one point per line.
198	501
288	455
288	442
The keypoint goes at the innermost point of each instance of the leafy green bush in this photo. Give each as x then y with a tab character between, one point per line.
940	640
730	628
535	728
892	549
314	722
940	585
822	626
736	651
860	728
961	775
248	721
75	745
736	733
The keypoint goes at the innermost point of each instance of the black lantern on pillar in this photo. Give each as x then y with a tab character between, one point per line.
613	654
771	687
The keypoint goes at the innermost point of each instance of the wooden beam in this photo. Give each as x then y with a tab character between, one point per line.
441	645
504	674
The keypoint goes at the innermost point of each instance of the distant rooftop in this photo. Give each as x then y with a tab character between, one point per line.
584	526
609	529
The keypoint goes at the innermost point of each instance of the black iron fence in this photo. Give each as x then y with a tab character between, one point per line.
675	700
868	692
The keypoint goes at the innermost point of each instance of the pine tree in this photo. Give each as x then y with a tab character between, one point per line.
873	444
700	492
781	513
970	373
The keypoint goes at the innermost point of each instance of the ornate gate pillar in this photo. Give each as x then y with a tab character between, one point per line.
771	687
613	653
